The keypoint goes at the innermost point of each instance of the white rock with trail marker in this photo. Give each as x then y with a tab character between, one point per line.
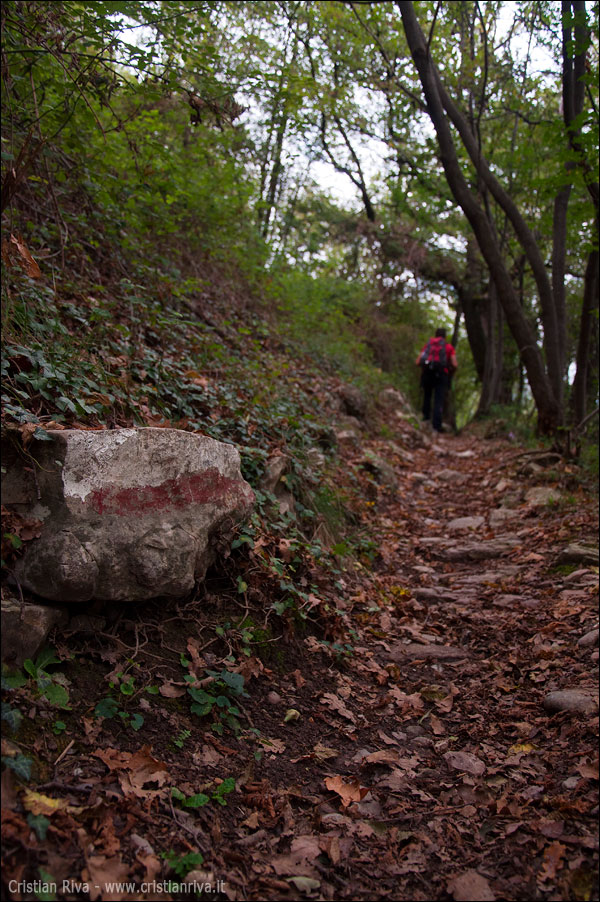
127	514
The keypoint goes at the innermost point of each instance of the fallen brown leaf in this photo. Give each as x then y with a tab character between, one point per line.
135	771
552	862
465	761
349	790
170	690
101	874
336	704
470	886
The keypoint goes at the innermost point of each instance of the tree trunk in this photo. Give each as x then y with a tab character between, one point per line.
588	327
492	375
549	413
559	251
473	295
278	128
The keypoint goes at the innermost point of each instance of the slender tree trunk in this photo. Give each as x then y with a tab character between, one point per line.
473	295
559	252
275	176
574	63
278	129
574	18
549	413
490	387
588	327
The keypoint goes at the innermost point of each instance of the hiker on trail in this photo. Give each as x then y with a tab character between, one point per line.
437	360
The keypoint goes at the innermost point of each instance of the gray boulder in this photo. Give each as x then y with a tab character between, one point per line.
126	514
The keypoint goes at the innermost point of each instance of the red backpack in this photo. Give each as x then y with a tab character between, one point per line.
434	356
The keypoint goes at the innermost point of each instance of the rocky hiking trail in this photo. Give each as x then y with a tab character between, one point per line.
448	751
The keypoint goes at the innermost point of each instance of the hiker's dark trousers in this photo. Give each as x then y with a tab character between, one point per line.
435	384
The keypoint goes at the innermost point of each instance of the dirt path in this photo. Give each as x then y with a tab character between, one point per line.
470	789
423	764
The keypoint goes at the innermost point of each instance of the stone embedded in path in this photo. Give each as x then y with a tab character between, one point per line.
480	578
583	575
579	554
434	595
507	601
461	523
541	495
589	639
578	701
474	551
126	514
451	476
500	515
416	651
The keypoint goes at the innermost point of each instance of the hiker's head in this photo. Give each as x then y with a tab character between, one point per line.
440	333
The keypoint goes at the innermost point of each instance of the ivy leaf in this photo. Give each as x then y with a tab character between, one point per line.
40	824
13	680
137	721
20	764
41	435
197	801
107	708
12	716
46	657
235	681
56	695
